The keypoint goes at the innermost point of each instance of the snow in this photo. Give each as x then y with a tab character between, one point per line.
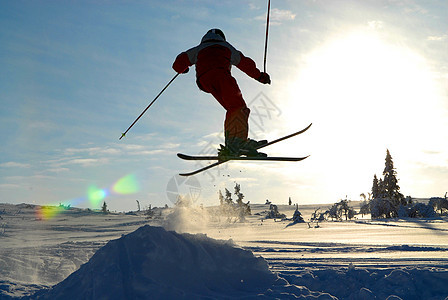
80	254
154	263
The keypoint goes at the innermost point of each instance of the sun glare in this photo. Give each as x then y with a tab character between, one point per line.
363	96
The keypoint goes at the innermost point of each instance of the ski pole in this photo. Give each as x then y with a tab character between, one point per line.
267	30
166	86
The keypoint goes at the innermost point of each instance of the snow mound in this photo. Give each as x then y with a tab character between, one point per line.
152	263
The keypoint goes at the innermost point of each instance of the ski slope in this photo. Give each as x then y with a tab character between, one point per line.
41	252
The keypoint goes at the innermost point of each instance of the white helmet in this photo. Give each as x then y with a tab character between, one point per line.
214	35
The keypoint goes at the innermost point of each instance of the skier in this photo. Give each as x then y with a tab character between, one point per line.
213	58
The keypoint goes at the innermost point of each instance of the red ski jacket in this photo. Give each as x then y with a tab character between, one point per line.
215	54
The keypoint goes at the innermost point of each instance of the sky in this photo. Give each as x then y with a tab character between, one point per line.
369	75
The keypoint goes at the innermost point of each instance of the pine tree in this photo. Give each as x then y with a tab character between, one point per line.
243	207
381	189
386	196
297	217
238	194
390	183
228	197
104	208
231	210
375	187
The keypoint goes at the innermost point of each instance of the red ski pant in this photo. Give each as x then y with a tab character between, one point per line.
221	84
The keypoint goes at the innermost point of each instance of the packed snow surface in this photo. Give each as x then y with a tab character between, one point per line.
152	263
80	254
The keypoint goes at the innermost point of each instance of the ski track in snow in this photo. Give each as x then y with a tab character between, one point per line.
36	254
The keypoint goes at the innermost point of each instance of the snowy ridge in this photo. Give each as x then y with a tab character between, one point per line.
152	263
81	251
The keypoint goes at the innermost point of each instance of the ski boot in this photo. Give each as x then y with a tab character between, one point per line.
235	147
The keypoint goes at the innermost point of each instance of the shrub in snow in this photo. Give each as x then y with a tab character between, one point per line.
341	209
233	211
403	212
104	209
418	210
317	216
297	217
439	204
273	213
382	208
365	208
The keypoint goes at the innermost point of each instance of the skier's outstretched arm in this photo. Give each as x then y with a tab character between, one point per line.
248	66
182	63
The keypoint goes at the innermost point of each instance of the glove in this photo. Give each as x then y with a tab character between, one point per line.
264	78
186	71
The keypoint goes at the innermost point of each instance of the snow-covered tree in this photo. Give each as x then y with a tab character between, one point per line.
418	210
365	208
273	213
339	209
346	209
382	208
226	208
390	187
439	204
386	192
228	197
375	187
104	208
244	208
333	212
297	217
233	210
238	194
317	216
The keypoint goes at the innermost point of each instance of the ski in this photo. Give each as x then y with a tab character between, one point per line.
239	158
190	157
202	169
269	158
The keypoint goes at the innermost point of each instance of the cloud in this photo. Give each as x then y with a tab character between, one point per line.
375	24
9	186
437	38
13	164
147	152
93	151
412	9
278	16
282	15
86	162
170	145
253	6
57	170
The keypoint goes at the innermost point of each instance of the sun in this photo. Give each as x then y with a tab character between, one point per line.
363	95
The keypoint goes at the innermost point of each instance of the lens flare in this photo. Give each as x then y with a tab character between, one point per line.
96	195
126	185
48	212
